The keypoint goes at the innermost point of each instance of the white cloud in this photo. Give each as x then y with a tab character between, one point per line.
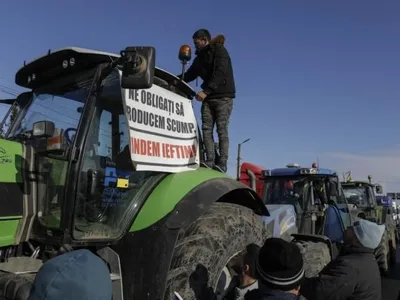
383	166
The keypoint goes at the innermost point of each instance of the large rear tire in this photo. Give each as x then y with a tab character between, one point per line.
15	287
206	246
382	254
315	255
392	248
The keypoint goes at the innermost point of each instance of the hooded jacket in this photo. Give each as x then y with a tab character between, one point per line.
213	65
354	275
77	275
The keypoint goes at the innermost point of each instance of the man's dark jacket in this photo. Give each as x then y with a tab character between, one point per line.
354	275
213	65
265	294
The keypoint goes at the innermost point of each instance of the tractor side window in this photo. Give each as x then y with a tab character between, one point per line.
341	203
109	187
105	136
371	197
9	118
60	103
63	110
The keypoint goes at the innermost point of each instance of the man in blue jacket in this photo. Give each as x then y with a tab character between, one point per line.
76	275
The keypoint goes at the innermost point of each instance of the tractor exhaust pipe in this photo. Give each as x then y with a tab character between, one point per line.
252	178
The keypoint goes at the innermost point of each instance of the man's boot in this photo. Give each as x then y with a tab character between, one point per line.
222	164
210	164
222	167
210	160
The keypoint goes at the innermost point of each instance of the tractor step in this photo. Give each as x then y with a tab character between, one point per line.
21	265
114	263
115	277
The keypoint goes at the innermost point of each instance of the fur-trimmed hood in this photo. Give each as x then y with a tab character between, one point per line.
219	39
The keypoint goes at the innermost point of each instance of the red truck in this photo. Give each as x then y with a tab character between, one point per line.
251	176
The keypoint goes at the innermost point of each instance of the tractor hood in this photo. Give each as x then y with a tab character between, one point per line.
15	197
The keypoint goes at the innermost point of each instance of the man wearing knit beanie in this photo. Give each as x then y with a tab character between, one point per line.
280	271
354	274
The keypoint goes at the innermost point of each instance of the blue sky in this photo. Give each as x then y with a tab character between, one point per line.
314	78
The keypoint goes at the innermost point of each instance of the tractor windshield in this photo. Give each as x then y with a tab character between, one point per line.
359	195
303	191
60	103
310	195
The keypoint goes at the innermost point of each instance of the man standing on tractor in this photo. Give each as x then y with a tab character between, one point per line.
213	65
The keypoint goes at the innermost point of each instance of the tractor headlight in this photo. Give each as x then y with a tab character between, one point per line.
305	171
265	173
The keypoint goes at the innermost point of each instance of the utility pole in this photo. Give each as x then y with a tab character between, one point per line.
239	158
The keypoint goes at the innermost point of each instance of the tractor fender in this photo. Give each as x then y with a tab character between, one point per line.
146	254
198	200
315	238
185	196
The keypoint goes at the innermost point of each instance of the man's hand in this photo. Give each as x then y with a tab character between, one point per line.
201	96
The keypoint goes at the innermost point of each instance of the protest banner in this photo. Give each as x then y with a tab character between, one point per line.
163	130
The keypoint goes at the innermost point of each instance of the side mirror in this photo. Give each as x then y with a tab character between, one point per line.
43	129
379	189
138	67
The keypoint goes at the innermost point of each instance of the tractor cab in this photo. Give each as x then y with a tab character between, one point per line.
362	196
388	209
73	126
313	194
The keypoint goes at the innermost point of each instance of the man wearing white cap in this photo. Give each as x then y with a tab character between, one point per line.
354	274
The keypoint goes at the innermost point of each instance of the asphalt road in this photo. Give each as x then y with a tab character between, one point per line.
391	284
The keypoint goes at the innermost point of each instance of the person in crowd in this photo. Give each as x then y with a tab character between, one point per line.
76	275
213	65
246	270
280	271
354	274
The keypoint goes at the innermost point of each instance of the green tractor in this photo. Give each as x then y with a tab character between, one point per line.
104	154
361	195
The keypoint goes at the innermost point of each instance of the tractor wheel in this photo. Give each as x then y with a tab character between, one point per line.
14	286
316	256
205	248
393	253
382	254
